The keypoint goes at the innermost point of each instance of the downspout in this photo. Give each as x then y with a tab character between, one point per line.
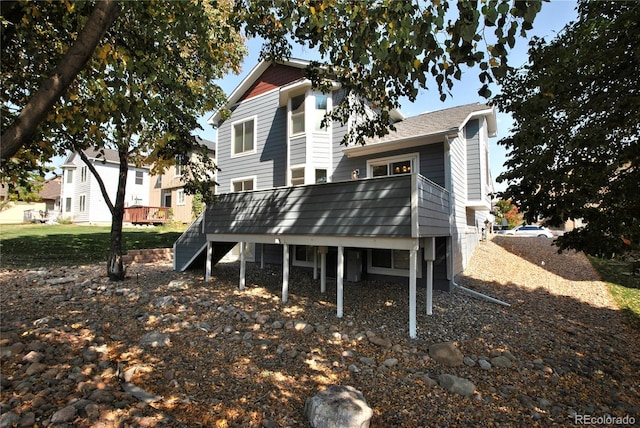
477	294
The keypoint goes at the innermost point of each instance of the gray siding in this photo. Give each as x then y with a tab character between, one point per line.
298	150
433	209
377	207
269	162
431	162
474	161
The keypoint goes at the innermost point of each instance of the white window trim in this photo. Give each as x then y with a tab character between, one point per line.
82	203
180	195
135	178
305	113
413	157
255	137
393	271
290	175
253	178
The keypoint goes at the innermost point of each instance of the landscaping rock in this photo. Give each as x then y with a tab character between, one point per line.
338	407
446	353
456	385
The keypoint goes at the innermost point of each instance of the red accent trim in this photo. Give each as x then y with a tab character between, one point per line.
275	76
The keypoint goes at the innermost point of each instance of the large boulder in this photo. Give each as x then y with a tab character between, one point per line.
338	407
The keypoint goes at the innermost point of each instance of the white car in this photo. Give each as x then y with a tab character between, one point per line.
529	230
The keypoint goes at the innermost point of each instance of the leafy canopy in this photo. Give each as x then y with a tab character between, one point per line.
574	151
383	50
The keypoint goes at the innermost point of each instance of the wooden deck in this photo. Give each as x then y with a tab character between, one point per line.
146	215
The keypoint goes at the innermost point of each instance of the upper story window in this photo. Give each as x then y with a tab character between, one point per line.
405	164
244	136
321	111
69	176
297	114
243	185
139	177
181	161
83	174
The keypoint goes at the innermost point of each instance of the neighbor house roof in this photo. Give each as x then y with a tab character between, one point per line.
434	124
51	188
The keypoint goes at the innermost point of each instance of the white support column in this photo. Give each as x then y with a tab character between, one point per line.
339	280
285	272
323	269
315	263
207	275
413	270
261	256
430	256
243	263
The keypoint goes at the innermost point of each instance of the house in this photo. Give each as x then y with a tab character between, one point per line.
45	209
81	198
167	189
407	207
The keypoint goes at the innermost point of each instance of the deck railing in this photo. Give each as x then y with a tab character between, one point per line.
146	215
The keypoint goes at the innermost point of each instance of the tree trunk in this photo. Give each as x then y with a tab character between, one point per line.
115	267
36	110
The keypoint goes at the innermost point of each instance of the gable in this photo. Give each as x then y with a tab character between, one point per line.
275	76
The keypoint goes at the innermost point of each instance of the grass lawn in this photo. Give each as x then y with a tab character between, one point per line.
624	286
43	245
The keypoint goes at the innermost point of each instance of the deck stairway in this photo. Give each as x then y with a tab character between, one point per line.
190	249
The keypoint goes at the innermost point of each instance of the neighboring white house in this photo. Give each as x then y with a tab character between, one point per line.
407	207
81	198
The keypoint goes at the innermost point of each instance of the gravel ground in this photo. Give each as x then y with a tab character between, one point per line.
166	349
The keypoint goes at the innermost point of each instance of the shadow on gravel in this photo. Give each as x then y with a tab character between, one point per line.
541	252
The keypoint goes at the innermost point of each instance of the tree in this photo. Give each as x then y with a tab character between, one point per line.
574	151
383	50
152	75
24	126
505	209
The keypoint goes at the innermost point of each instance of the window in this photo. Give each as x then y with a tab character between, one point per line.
303	255
297	114
69	176
83	174
180	197
390	262
67	205
166	198
297	176
83	201
243	185
139	177
244	137
397	165
321	175
181	161
321	111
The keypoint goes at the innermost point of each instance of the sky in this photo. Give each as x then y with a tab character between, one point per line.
552	18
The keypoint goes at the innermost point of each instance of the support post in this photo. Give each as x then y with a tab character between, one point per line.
285	272
339	280
413	270
242	266
261	256
315	263
323	269
430	256
207	274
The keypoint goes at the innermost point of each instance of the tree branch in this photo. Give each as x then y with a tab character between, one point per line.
36	110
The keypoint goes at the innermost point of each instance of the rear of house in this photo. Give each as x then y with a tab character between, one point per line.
407	207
